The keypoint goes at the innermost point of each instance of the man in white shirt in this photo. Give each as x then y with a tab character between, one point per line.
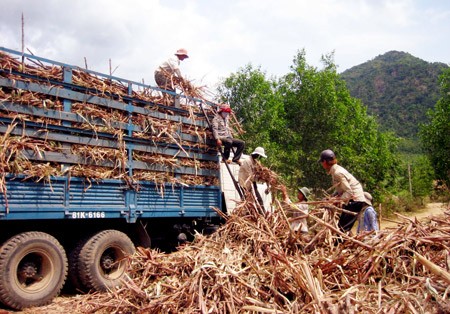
247	176
347	189
169	69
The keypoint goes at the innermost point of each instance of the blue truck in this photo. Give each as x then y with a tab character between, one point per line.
93	166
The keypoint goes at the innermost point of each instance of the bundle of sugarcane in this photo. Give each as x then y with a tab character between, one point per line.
106	87
256	264
273	180
109	161
188	88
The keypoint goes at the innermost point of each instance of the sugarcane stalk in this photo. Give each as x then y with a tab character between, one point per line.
435	269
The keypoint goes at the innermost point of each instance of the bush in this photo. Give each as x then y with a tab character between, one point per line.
401	203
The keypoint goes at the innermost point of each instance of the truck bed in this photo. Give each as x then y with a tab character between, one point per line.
60	123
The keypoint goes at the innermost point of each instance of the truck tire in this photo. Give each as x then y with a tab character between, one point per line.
76	284
33	269
102	261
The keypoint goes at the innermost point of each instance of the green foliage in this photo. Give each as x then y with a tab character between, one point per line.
398	89
304	112
259	108
415	177
422	176
435	135
401	202
409	146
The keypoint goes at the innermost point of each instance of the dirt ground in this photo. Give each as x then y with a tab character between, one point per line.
431	209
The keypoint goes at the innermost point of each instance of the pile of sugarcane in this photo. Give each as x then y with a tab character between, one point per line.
106	163
256	264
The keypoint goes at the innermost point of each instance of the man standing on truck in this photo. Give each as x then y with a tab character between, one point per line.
222	133
169	69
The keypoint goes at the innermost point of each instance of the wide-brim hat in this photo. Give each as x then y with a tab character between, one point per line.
305	191
368	198
259	151
182	52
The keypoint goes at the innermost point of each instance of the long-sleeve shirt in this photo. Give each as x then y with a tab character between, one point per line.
170	67
247	173
220	127
300	223
346	185
367	220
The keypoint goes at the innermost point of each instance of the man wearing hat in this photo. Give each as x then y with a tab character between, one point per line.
222	134
247	179
367	218
348	190
299	220
168	69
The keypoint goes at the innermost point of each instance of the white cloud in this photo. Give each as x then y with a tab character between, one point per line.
222	36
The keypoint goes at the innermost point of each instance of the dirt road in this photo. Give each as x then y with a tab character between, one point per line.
431	209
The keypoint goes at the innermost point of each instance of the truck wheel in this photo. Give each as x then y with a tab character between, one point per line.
74	268
208	230
33	269
102	260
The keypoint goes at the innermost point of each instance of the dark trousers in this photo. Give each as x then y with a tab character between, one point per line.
163	81
228	143
346	221
258	196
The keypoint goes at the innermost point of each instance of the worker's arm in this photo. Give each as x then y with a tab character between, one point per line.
215	130
215	127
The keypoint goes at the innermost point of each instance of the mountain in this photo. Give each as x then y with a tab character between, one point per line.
397	88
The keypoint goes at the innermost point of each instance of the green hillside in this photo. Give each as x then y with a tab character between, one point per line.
397	88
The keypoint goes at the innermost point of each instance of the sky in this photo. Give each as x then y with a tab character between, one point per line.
223	36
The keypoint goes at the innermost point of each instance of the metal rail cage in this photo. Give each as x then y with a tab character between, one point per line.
175	135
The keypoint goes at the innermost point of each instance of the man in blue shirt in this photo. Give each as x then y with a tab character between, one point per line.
367	218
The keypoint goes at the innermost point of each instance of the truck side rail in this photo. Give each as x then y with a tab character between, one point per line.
78	198
68	92
68	118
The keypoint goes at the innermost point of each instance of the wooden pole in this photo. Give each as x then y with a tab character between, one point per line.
379	216
23	42
409	179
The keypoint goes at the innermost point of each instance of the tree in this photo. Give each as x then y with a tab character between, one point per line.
304	112
435	134
259	108
422	176
322	114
